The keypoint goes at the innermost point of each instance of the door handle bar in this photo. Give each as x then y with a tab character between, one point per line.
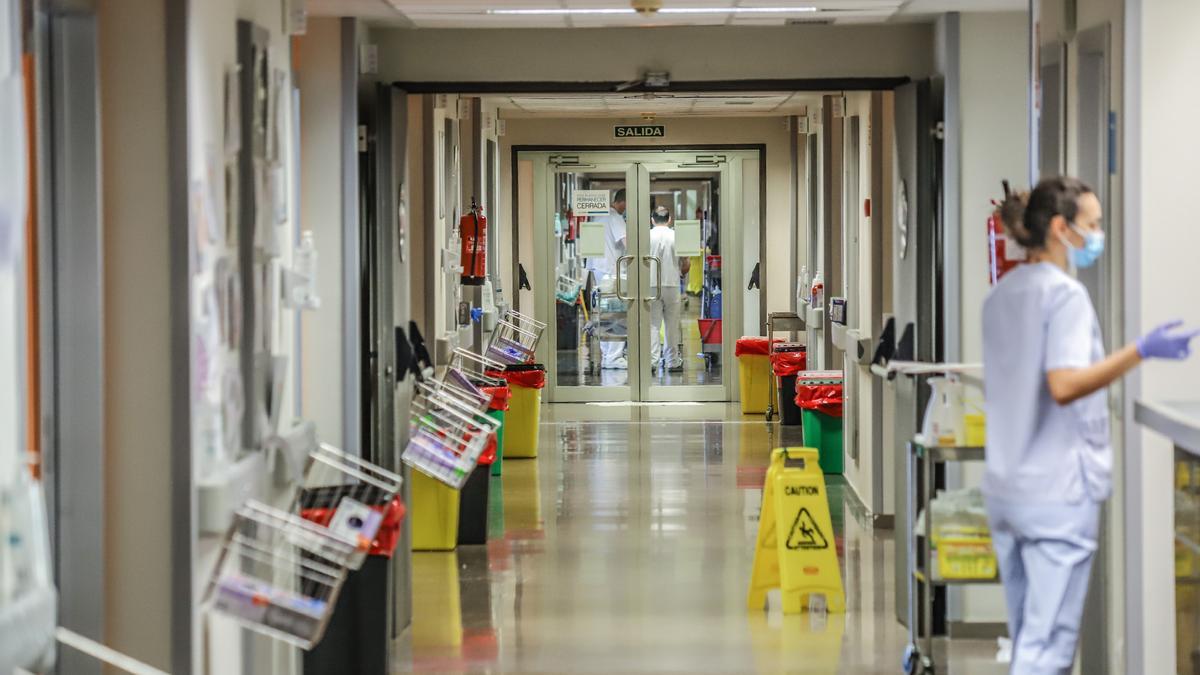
626	259
657	287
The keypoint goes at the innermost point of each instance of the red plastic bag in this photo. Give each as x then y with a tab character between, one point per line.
752	346
529	376
386	537
489	451
823	398
788	363
500	397
389	531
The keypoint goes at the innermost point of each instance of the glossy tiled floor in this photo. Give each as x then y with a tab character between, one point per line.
627	547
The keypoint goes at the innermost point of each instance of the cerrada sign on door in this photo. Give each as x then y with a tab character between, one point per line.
639	131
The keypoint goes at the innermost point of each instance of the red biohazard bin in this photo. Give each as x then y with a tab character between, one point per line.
819	395
473	499
787	361
754	374
524	408
497	408
354	641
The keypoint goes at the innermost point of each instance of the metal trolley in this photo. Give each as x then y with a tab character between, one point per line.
922	458
607	322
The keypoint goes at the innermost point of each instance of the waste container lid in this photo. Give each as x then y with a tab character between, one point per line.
752	345
787	347
821	375
523	367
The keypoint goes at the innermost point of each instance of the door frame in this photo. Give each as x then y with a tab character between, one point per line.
630	158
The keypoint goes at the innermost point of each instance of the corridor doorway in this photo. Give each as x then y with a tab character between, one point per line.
625	324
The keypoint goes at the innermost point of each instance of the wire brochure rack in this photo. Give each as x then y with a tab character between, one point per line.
450	430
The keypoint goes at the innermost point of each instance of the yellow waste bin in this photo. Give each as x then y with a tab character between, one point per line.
434	514
524	409
754	374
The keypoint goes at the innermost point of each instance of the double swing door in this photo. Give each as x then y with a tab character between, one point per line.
628	323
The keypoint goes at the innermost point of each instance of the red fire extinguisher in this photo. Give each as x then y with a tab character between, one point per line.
473	230
1004	253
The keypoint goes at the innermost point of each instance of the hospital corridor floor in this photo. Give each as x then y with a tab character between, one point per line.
627	547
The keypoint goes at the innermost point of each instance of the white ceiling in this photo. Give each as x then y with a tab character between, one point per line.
474	13
667	105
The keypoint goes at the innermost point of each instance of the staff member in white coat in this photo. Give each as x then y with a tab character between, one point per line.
615	244
1049	458
664	279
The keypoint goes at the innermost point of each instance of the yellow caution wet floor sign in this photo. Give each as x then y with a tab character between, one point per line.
796	551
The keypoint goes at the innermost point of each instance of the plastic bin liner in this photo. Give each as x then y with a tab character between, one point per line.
752	346
823	398
530	376
500	397
388	534
785	364
489	451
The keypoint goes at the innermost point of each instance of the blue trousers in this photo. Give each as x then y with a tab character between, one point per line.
1045	554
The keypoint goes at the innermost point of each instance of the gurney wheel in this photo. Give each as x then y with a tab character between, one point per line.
915	664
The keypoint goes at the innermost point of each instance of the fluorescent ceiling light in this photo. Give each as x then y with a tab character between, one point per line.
736	10
664	10
553	11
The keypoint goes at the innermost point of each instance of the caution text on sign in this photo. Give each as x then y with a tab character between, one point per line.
795	550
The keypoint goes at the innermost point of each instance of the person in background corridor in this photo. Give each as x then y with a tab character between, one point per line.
1049	455
665	274
615	245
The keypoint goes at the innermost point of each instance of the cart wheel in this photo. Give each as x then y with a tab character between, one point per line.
770	414
910	660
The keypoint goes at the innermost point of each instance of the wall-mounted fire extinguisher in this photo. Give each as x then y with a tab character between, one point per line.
473	232
1004	253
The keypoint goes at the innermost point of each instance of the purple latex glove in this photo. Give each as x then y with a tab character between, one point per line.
1164	343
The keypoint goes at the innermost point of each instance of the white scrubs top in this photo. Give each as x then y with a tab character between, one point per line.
662	246
615	230
1037	319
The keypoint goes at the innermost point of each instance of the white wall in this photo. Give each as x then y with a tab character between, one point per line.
994	83
1161	143
137	338
319	76
992	67
861	473
212	52
621	54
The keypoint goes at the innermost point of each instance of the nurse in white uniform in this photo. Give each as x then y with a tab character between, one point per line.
615	246
1049	459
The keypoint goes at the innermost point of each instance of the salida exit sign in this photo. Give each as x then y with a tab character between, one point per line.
639	131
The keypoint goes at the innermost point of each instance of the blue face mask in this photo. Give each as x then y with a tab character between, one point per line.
1093	248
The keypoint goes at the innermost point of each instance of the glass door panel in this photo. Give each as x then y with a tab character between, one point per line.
681	303
634	314
590	269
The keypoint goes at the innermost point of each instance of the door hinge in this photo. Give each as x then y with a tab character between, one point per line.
938	131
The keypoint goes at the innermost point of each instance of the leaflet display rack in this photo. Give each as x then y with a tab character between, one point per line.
449	433
347	496
515	339
279	575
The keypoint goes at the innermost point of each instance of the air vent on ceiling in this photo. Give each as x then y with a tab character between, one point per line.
809	22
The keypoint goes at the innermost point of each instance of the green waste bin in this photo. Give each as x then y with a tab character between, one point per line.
824	432
498	415
819	396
